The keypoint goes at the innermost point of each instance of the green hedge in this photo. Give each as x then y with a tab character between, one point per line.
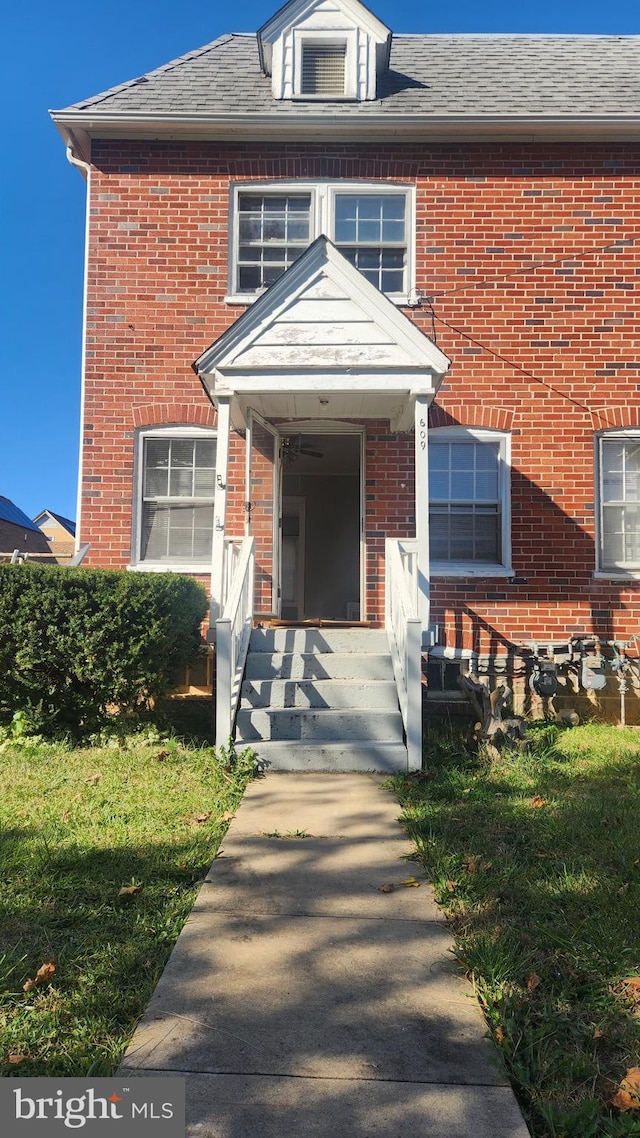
75	643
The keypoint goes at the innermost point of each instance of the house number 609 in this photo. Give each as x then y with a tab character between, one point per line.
423	435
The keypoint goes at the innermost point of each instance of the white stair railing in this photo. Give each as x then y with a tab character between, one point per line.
404	632
233	631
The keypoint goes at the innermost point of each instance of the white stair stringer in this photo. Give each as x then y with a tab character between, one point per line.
321	699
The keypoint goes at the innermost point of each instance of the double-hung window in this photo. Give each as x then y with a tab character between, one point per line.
176	487
371	224
619	503
468	501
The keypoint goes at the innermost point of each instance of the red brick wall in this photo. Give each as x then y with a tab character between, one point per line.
514	243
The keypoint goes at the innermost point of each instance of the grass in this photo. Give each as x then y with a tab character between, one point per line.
77	827
536	860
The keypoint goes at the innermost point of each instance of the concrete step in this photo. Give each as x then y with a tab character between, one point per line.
312	725
315	666
380	694
285	755
320	640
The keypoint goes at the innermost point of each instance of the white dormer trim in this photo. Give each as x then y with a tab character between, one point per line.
281	43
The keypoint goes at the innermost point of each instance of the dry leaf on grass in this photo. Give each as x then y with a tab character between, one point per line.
13	1059
532	981
450	885
93	779
622	890
200	819
628	1096
499	1034
537	801
598	1034
130	890
161	756
227	816
44	973
472	864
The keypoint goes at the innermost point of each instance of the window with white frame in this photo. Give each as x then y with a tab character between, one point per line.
619	502
176	488
468	499
372	225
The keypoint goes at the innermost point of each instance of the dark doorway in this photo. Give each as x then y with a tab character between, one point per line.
321	525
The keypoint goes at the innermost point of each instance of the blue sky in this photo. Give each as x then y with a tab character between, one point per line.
56	54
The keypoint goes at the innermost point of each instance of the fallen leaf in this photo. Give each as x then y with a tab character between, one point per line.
532	981
537	801
227	816
499	1034
93	779
472	864
450	885
598	1034
200	819
622	890
467	790
410	883
632	983
387	888
622	1100
631	1081
13	1059
29	985
45	972
161	756
130	890
181	865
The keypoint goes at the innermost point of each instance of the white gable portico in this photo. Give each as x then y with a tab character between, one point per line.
323	342
321	346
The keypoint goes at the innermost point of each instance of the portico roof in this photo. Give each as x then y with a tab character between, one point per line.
323	342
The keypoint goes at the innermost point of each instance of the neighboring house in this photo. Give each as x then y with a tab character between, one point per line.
406	267
60	533
18	532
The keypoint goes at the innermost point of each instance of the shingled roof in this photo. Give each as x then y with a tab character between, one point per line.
439	76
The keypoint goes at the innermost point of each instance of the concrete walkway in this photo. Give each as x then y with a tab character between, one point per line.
303	1002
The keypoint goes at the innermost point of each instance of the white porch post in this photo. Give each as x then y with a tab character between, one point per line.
219	509
422	510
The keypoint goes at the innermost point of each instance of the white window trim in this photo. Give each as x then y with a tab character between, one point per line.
485	569
137	564
321	213
600	572
306	36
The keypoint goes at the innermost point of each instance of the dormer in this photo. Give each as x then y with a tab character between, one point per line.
324	50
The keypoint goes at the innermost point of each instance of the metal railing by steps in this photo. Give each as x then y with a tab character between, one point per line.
404	630
233	632
321	698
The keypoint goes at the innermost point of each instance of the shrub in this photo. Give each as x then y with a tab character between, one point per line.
76	642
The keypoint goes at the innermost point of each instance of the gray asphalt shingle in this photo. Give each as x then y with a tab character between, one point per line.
439	75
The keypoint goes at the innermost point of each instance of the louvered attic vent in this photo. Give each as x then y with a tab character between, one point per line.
323	69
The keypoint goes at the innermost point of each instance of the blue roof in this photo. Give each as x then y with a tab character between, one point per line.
11	513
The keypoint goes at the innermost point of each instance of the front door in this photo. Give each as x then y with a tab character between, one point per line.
321	524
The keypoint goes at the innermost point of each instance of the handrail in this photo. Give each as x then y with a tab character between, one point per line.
404	632
233	631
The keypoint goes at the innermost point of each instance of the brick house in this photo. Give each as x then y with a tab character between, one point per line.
405	267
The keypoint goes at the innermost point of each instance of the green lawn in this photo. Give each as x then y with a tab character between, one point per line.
76	828
536	860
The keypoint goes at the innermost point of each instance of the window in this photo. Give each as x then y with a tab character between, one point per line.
468	500
370	229
371	225
619	503
273	230
176	495
323	68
